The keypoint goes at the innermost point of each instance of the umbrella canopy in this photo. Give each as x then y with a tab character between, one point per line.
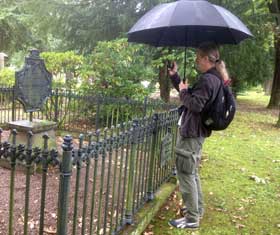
188	23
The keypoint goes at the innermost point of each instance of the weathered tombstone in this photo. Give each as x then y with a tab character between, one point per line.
33	87
2	60
166	148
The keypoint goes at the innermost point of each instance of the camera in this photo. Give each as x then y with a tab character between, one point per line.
170	65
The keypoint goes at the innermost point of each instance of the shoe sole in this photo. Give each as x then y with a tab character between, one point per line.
191	228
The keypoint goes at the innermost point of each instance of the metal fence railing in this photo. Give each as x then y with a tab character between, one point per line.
94	188
78	112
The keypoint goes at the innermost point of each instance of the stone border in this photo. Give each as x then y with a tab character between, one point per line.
149	211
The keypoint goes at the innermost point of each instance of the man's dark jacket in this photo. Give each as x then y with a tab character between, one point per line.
195	101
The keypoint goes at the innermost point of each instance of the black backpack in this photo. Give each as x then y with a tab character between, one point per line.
219	112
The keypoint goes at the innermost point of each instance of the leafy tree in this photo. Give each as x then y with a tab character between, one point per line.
14	33
79	25
118	69
243	59
64	66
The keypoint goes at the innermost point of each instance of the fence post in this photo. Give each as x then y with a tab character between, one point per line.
44	160
145	106
12	182
97	114
64	185
150	193
130	187
56	105
13	105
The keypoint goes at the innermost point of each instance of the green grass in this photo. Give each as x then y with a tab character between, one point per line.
232	160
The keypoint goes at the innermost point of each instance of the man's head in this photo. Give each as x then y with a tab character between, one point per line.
207	55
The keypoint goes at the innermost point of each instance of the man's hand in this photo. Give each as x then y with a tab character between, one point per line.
183	86
173	70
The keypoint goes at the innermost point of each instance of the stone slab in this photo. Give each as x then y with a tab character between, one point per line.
36	126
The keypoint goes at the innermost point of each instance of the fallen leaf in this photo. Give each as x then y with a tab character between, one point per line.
240	226
240	208
258	180
237	217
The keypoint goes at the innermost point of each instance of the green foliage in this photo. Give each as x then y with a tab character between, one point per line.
14	32
118	69
7	77
79	25
65	66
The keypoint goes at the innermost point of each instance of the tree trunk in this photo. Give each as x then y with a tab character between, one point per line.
275	92
274	8
164	84
278	123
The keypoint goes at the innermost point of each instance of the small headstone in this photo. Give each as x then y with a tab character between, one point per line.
166	148
33	83
33	87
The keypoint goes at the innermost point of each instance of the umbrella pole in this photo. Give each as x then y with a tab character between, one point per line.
185	65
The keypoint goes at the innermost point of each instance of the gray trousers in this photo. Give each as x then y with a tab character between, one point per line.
188	156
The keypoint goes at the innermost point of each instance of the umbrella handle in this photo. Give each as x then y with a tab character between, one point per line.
185	65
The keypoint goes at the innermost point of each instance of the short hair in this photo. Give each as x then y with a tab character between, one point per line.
211	50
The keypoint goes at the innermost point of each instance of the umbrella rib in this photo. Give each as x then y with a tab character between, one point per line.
164	31
227	25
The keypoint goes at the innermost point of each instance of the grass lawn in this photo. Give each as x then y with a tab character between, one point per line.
240	177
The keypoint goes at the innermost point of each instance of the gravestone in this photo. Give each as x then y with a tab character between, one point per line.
2	60
166	148
32	88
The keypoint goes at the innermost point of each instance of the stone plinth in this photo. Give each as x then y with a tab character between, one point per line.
38	128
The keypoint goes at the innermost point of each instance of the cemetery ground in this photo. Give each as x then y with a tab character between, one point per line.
240	174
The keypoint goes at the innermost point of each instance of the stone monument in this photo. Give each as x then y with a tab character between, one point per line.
33	87
2	60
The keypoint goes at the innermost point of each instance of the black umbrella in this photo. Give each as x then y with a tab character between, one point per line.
188	23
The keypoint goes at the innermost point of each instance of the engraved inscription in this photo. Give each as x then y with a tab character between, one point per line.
166	149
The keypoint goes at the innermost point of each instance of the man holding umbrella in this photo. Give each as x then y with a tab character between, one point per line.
192	132
189	23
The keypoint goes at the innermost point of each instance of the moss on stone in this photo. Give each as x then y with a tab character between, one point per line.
147	213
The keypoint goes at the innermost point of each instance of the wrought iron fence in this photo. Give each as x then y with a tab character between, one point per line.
78	112
93	188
